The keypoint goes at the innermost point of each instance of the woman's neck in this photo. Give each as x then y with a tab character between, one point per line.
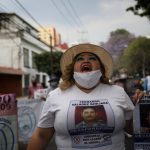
85	89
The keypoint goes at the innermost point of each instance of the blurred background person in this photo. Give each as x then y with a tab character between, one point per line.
147	83
35	85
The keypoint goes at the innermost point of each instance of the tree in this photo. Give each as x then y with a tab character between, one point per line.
136	58
118	41
43	63
141	8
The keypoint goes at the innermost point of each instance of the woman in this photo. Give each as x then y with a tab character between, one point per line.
86	69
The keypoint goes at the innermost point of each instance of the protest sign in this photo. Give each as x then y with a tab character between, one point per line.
8	122
141	123
28	115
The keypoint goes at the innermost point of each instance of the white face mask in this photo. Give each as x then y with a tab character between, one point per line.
87	79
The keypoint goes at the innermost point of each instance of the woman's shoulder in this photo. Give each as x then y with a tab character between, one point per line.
54	92
58	91
112	86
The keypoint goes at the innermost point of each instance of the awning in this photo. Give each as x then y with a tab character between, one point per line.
8	70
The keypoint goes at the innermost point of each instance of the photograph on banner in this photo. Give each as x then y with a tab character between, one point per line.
145	118
28	115
8	122
90	126
141	121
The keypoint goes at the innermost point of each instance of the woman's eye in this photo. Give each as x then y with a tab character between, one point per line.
79	58
92	58
84	58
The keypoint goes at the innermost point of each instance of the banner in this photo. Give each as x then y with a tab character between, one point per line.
28	115
141	123
8	122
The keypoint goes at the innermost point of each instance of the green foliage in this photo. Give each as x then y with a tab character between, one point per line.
136	58
118	41
43	62
141	8
118	32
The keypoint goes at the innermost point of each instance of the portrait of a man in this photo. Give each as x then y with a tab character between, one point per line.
90	118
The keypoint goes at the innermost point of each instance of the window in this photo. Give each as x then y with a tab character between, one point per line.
38	77
26	57
33	60
44	79
26	80
26	84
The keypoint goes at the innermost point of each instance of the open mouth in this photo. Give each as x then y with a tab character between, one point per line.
86	68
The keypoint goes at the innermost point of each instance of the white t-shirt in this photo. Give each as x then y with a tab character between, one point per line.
62	111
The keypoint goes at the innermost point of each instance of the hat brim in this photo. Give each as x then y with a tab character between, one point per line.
104	56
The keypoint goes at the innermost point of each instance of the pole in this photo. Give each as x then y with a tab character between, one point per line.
51	57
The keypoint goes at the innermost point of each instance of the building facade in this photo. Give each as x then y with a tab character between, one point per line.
50	36
19	43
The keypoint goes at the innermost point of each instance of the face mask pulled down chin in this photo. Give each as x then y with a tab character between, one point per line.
87	79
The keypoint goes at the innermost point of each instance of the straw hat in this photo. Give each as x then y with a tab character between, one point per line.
105	57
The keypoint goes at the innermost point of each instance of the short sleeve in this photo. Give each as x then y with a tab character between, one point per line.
47	116
129	107
124	102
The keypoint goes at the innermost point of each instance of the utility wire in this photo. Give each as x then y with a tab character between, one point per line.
61	12
51	47
75	13
19	27
27	12
10	36
8	29
3	7
69	12
14	2
77	16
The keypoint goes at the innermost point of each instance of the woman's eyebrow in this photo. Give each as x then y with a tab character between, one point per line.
87	55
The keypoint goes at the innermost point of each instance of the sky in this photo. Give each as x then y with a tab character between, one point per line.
80	20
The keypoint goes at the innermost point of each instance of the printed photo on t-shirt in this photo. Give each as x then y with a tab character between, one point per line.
90	123
90	116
